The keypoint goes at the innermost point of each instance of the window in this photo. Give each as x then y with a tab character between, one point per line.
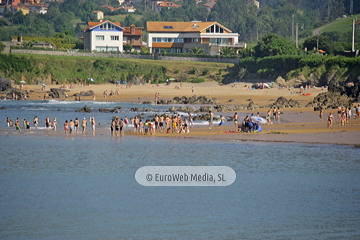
114	38
107	26
220	41
168	27
100	38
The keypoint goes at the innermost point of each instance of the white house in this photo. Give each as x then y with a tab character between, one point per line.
180	37
103	36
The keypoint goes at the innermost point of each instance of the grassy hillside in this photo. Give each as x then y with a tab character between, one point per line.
120	18
340	25
64	69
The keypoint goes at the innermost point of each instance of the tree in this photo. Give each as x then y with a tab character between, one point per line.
273	44
197	51
127	47
320	42
226	51
2	47
129	19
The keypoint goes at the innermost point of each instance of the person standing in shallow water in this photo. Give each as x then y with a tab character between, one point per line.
236	120
66	127
321	113
83	124
76	125
17	125
93	123
36	121
211	119
330	120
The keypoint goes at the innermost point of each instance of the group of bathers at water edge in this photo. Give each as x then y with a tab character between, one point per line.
160	123
248	125
72	126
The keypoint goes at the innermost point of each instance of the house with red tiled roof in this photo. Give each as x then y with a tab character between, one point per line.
180	37
157	5
111	8
133	36
129	9
103	36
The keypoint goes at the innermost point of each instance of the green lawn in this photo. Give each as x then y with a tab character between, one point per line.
341	25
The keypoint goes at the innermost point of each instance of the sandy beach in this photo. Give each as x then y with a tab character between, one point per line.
297	124
240	93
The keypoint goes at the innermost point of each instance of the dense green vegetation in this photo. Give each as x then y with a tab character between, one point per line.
61	69
274	16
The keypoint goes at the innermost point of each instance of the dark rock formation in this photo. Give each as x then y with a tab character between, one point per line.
19	93
349	88
84	109
3	108
282	102
5	84
181	109
330	100
204	117
252	106
57	92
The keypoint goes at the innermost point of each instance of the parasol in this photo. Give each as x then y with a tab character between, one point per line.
22	82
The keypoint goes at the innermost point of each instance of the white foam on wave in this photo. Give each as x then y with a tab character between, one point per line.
34	109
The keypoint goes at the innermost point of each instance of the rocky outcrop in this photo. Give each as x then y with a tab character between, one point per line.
5	84
330	100
188	100
84	109
252	106
282	102
349	88
181	109
204	117
57	92
114	110
136	109
20	94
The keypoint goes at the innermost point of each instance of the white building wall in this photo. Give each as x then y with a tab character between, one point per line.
107	40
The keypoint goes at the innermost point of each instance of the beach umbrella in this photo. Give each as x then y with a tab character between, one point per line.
22	82
124	82
90	79
171	79
259	120
43	84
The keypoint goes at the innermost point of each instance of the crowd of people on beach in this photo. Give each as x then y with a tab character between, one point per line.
174	123
344	115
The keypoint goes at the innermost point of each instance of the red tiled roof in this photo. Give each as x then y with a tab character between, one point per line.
168	4
127	30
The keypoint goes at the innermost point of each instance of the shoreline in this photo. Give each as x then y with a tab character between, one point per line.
349	136
297	125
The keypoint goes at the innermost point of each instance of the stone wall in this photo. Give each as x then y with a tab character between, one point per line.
133	56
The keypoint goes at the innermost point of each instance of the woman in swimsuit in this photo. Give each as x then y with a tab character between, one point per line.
54	124
330	120
66	127
83	124
76	125
236	121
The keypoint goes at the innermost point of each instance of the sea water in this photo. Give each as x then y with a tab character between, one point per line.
58	187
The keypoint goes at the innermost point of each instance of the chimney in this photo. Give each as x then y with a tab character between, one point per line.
132	29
